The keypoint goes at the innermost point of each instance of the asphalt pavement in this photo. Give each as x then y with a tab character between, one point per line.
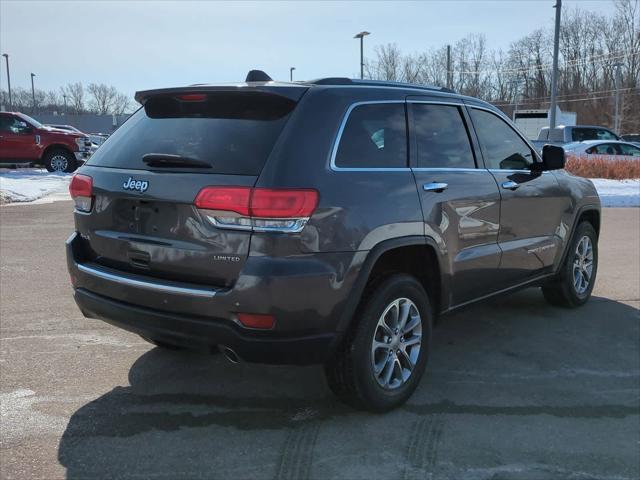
515	388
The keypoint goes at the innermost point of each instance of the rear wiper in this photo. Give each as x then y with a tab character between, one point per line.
168	160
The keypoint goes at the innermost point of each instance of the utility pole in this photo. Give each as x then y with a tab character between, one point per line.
64	97
449	72
554	73
616	121
361	36
6	57
33	92
291	69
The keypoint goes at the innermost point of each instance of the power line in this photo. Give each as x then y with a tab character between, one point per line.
545	67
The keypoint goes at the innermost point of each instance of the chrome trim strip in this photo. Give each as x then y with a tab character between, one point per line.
334	150
436	102
447	169
297	226
153	286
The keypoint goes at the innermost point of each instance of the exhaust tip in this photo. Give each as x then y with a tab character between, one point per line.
230	354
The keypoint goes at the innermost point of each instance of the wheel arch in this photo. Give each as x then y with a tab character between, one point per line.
398	255
589	213
55	146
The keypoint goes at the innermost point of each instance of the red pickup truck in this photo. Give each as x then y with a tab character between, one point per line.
24	140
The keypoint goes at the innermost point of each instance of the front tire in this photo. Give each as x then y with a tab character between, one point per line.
384	356
577	275
59	160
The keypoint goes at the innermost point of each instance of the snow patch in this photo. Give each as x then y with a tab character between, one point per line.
30	184
618	193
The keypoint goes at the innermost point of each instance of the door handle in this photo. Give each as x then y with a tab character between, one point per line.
435	187
510	185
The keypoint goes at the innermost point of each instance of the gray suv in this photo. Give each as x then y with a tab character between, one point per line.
331	221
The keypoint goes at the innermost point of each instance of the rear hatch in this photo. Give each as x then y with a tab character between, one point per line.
147	175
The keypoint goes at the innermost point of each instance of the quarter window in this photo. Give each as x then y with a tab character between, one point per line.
502	147
441	137
375	136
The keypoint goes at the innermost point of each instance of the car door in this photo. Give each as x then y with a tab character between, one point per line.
532	202
460	201
17	139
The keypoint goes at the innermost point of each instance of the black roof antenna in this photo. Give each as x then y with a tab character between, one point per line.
257	76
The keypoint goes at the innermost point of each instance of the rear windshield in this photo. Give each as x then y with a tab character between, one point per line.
581	134
232	132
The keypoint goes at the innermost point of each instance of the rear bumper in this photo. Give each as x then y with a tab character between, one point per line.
307	297
205	334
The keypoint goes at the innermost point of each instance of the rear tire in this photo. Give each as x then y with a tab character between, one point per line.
576	278
60	160
384	355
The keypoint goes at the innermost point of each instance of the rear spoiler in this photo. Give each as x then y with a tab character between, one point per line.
287	90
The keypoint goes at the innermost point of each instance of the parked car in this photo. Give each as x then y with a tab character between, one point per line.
24	140
572	133
68	128
632	137
331	221
599	147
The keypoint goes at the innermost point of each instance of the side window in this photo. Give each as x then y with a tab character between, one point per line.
375	136
606	135
442	140
629	150
607	149
502	147
5	123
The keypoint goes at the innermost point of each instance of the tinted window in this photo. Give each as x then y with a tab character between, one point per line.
501	146
234	133
582	133
375	136
441	137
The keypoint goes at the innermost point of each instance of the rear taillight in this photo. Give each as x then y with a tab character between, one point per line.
81	190
259	209
255	320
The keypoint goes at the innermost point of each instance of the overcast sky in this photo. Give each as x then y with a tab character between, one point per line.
137	45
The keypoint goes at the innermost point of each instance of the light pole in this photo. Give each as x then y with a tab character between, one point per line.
554	73
361	36
64	97
291	69
616	121
6	57
33	92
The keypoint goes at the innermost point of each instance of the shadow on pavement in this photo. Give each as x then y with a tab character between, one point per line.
190	416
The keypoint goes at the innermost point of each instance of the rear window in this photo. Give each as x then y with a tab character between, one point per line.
582	134
232	132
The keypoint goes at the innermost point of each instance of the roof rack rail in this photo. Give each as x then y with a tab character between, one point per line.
375	83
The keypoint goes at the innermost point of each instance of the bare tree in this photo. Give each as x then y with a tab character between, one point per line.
75	97
102	98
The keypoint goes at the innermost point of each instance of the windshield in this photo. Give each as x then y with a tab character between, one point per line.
234	133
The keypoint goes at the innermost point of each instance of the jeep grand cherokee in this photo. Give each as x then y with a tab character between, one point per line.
329	221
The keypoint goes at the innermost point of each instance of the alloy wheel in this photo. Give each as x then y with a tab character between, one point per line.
396	343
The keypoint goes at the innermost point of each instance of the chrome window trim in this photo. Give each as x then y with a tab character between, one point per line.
447	169
336	143
147	285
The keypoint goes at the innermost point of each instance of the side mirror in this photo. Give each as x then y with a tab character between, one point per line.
553	157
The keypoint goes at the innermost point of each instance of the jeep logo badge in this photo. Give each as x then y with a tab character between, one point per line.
136	185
